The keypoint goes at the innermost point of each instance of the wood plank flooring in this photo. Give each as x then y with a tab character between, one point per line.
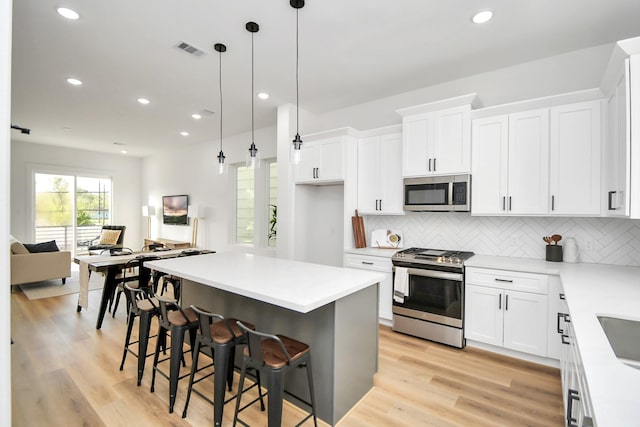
65	373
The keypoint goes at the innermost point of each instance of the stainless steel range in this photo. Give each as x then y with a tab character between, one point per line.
428	294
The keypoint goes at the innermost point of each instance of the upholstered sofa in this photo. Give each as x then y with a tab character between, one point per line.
29	267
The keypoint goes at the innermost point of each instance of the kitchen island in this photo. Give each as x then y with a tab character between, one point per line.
334	310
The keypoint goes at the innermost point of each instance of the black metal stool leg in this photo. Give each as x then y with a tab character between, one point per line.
177	341
311	393
243	372
276	391
144	329
194	368
162	336
131	319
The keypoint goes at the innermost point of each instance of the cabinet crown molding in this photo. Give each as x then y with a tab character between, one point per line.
469	99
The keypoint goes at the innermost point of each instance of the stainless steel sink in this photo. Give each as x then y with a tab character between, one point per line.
624	338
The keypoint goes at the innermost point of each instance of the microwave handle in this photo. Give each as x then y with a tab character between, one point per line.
450	193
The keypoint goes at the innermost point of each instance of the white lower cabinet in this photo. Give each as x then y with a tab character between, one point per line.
507	309
381	264
577	403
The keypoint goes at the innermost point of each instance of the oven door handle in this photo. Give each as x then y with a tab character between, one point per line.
433	273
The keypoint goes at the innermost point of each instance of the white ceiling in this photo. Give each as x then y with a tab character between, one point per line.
351	52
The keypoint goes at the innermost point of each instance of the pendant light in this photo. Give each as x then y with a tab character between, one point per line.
253	156
222	167
297	141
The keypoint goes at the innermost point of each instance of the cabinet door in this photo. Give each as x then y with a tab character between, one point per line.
483	314
555	306
369	174
415	152
525	322
575	158
305	170
452	141
618	176
489	165
330	160
528	162
390	170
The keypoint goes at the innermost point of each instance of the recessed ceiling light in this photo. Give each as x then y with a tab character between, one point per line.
184	133
263	95
143	101
196	116
124	151
66	128
68	13
482	17
73	81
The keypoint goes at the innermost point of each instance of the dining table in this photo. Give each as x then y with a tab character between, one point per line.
111	266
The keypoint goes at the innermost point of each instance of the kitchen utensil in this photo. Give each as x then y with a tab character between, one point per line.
358	231
556	238
547	239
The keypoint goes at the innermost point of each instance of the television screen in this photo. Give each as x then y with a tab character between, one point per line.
174	210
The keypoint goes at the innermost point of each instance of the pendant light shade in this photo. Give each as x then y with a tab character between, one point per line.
222	167
297	141
253	155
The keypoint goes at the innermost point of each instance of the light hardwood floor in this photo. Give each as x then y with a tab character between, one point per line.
65	373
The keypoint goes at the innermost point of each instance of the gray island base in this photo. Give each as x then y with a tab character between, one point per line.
342	330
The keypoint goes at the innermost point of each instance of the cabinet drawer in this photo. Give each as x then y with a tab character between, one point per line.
368	262
510	280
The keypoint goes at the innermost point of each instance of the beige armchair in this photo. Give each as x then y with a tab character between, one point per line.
29	267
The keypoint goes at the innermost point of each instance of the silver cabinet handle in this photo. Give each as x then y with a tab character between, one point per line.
434	165
429	165
504	203
610	207
503	280
370	263
380	204
553	203
571	396
509	202
500	302
506	302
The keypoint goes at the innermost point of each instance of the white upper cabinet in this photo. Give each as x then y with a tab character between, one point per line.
539	162
528	174
619	147
379	175
511	164
321	161
575	158
436	138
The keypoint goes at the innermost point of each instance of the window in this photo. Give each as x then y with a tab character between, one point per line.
245	196
70	208
256	205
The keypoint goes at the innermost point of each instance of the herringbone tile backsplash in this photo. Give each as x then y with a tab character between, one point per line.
612	240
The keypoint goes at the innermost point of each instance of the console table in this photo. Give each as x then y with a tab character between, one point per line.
171	244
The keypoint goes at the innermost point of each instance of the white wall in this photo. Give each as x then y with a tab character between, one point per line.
124	171
192	170
5	301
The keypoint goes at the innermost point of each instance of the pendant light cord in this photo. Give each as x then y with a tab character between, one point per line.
297	85
220	87
252	96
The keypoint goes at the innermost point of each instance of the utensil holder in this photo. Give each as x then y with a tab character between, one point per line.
554	253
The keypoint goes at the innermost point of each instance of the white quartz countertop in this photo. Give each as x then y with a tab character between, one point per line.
592	290
295	285
386	253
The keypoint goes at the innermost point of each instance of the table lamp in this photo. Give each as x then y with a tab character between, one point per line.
195	212
148	212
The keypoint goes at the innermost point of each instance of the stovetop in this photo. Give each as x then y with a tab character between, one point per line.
432	257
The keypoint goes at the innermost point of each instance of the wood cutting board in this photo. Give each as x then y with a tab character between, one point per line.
358	231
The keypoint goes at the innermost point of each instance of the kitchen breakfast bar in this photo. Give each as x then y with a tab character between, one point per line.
333	309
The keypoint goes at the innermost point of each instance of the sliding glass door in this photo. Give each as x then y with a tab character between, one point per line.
71	209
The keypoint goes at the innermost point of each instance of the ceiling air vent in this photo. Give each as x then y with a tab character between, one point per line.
191	50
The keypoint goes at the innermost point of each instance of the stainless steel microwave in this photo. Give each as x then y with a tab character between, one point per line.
450	193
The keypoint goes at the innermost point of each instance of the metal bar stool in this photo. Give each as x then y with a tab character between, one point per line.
141	306
174	320
218	339
174	280
144	278
275	354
